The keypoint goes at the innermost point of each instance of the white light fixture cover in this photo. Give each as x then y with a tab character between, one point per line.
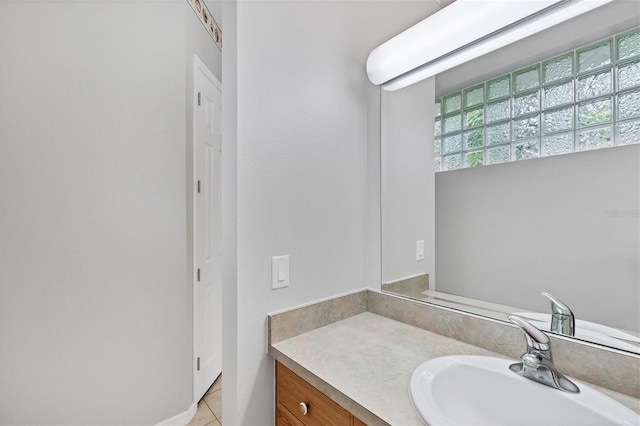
462	31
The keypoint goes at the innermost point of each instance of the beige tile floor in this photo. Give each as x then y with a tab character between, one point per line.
210	406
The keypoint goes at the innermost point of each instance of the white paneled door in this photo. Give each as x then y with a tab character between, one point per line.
207	284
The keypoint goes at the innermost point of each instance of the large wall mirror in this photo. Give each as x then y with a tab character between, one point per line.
518	174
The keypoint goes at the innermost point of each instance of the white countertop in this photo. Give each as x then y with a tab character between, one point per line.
364	363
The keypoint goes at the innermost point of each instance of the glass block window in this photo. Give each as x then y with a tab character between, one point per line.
585	99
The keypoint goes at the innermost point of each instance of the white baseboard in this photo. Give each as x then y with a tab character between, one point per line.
181	419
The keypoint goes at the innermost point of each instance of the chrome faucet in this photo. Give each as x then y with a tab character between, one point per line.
537	363
562	319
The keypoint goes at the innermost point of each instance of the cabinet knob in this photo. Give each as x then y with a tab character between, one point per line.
304	409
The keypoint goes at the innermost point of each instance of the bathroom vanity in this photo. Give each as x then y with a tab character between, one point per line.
355	354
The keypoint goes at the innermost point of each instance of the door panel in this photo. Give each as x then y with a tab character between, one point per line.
207	282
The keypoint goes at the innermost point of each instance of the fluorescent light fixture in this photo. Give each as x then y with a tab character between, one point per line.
462	31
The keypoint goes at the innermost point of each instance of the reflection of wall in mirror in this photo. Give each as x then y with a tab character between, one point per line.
407	163
506	232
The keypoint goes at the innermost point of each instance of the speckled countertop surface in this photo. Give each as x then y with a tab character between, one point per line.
369	359
364	363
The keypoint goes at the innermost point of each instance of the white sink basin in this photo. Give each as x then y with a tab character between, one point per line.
478	390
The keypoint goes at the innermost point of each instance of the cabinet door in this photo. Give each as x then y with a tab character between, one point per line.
318	409
285	418
358	422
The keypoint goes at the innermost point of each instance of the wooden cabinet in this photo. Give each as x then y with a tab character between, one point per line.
300	404
358	422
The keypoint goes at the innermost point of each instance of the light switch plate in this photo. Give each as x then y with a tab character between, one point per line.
279	271
420	250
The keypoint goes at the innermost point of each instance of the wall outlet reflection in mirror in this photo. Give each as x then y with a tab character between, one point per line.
420	250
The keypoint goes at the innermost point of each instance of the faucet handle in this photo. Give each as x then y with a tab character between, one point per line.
537	364
562	319
557	307
538	342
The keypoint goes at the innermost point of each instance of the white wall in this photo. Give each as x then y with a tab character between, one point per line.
302	173
408	183
95	300
567	225
229	197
